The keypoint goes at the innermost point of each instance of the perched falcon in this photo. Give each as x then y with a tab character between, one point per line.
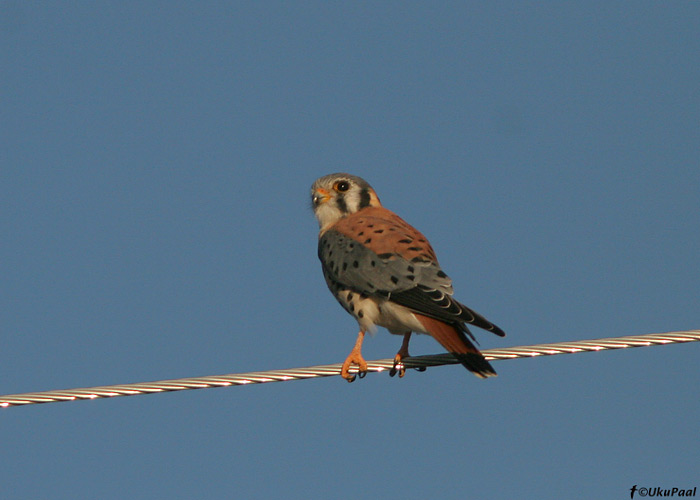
385	273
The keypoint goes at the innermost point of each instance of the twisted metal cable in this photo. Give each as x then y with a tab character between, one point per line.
419	362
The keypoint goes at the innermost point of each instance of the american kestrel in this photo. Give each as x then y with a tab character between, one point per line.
385	273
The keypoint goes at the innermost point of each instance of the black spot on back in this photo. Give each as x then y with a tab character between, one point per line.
385	255
394	280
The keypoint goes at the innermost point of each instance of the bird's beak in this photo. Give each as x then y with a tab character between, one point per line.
320	196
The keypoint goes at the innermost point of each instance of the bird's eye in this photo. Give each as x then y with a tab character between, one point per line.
342	186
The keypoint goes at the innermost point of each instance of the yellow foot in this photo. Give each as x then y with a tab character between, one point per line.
355	358
403	353
398	366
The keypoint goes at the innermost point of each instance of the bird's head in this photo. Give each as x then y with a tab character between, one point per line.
336	195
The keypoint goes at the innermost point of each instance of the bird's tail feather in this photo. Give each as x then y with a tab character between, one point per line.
457	343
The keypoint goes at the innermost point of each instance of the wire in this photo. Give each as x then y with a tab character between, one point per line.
418	362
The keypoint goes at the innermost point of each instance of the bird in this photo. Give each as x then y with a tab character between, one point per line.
384	272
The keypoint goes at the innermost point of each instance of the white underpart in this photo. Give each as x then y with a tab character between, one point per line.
395	318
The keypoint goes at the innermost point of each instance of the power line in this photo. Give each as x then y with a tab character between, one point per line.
419	362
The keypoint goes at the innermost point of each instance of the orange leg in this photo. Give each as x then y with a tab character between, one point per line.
403	353
355	358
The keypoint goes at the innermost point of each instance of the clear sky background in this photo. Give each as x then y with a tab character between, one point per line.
155	165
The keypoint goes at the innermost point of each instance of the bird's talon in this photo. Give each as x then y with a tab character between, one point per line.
355	358
398	367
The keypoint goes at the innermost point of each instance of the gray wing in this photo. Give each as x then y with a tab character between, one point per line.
353	265
418	284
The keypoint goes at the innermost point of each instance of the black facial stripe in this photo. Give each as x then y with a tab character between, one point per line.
364	198
340	201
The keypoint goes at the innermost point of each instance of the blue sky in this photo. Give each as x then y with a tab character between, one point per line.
156	161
